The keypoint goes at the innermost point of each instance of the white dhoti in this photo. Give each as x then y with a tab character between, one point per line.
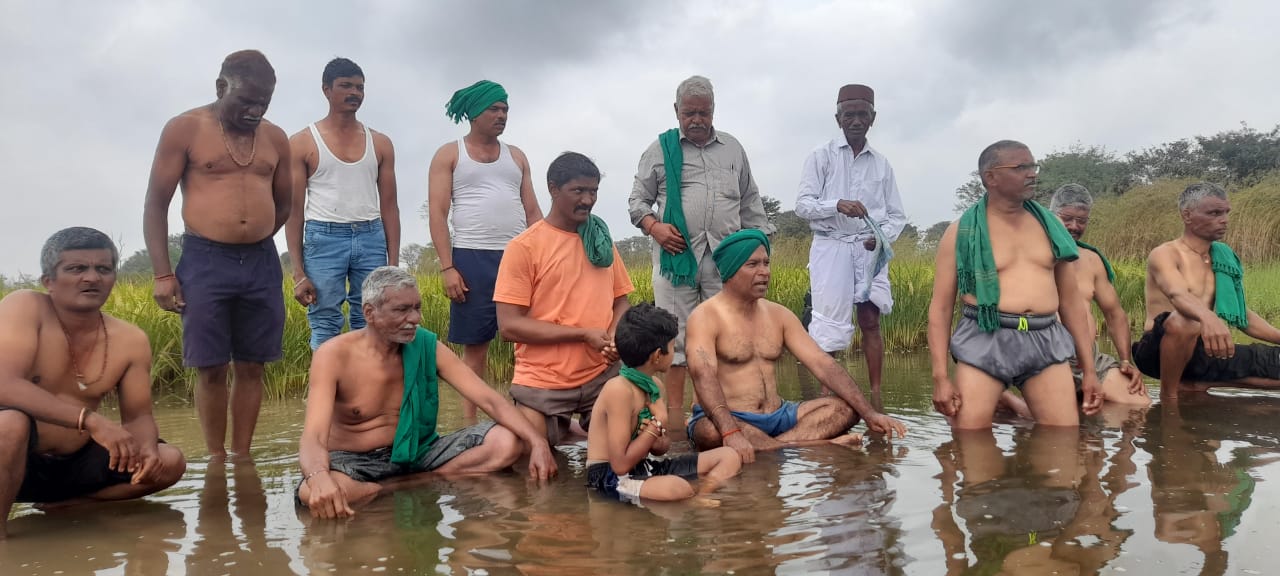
838	278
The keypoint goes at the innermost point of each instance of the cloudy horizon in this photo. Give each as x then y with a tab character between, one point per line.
91	87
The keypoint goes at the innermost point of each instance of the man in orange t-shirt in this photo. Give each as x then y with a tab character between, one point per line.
560	291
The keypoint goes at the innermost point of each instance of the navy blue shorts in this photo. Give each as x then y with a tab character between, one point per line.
476	320
235	302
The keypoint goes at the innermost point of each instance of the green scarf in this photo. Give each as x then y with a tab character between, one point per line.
647	385
976	266
1228	278
597	241
473	100
416	431
1111	274
681	269
736	249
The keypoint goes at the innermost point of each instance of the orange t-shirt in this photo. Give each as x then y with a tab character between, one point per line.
546	269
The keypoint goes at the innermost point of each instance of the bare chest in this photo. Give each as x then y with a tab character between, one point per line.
93	372
1021	244
369	393
745	342
214	158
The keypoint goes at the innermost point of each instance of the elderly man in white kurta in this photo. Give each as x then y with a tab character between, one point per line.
846	186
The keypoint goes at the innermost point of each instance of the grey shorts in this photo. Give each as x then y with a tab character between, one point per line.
1102	363
376	464
681	300
559	406
1012	355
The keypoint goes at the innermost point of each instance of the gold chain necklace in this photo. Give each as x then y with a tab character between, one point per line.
1204	256
106	350
253	151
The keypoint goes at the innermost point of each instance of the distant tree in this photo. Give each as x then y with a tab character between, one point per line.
969	193
1177	159
789	225
139	263
418	258
1243	155
772	208
933	234
1099	170
635	251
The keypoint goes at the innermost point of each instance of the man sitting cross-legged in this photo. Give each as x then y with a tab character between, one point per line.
629	418
734	339
372	408
59	356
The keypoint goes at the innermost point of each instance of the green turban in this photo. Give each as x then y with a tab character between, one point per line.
735	250
471	101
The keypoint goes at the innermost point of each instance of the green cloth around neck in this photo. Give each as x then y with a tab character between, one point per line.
646	384
681	269
1111	274
1228	293
736	249
597	241
473	100
416	430
976	264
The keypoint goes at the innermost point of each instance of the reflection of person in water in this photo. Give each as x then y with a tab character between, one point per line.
1196	498
1008	502
231	533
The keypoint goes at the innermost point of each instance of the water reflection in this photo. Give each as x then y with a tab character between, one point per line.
1174	489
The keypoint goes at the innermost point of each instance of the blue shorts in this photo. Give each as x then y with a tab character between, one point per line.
476	320
235	302
773	423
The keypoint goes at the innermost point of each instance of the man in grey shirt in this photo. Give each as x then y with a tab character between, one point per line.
717	197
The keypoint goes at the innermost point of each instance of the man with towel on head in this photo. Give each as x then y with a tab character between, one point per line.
373	402
735	338
1013	264
849	195
716	196
480	189
1195	295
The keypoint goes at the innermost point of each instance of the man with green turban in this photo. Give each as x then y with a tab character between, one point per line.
735	338
480	196
1013	265
1195	296
692	189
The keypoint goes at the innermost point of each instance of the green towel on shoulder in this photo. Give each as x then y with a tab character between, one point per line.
1228	277
681	269
1111	274
646	384
597	241
416	431
976	265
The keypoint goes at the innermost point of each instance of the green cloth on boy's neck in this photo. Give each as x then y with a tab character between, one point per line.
1228	277
681	269
649	386
597	241
416	429
1111	274
976	265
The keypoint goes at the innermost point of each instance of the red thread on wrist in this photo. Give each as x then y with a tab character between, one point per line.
729	433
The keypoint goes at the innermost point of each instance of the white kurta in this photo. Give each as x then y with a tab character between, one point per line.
837	259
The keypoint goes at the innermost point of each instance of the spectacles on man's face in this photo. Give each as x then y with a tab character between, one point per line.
1032	168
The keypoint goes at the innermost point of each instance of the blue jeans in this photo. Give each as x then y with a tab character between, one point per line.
337	257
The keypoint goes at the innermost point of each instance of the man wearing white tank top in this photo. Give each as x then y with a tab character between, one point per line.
479	197
345	220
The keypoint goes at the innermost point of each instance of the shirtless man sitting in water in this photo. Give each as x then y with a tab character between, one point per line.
1195	295
734	339
365	435
59	356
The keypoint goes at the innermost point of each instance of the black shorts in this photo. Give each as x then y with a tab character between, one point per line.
602	478
1250	360
475	320
54	478
234	302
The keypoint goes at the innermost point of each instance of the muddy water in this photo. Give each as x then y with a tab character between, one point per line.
1169	490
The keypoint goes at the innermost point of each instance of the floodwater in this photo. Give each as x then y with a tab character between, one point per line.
1168	490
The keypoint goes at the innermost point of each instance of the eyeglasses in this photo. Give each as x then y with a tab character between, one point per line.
1032	168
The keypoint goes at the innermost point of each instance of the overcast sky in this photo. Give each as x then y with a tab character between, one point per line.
90	84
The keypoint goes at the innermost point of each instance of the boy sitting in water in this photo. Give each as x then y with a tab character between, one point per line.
628	422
